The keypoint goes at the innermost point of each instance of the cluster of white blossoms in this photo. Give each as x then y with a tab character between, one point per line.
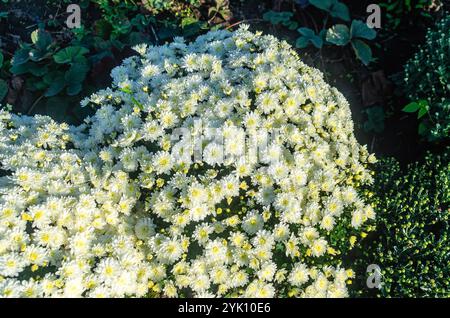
120	207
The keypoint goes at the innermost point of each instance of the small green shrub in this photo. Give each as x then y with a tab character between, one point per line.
427	78
412	245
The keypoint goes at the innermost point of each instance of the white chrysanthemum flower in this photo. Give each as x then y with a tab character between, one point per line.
209	168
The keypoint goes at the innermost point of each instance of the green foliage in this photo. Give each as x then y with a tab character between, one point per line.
412	241
427	82
283	18
375	119
335	8
399	12
219	8
421	107
122	20
337	34
309	36
50	68
341	35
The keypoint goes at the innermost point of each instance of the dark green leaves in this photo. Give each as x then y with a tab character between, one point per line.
335	8
341	35
283	18
421	106
375	119
70	54
52	70
362	51
338	34
340	10
308	36
56	86
21	56
359	29
41	39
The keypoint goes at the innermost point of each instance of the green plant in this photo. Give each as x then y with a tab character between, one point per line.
337	34
427	82
375	119
341	35
125	20
412	241
309	36
51	69
399	12
219	8
334	8
283	18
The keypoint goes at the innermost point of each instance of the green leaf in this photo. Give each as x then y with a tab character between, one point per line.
363	51
306	32
423	103
335	8
37	70
41	39
360	29
188	20
74	89
340	10
291	25
51	76
55	87
338	34
1	59
422	129
411	107
37	55
193	27
35	84
278	17
70	54
122	26
375	119
308	36
76	73
302	42
422	112
323	4
21	56
19	69
317	42
3	89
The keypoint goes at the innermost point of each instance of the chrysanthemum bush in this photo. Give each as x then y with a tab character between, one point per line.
123	205
412	242
427	77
